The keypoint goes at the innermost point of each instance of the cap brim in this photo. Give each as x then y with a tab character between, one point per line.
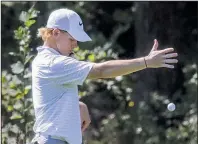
80	35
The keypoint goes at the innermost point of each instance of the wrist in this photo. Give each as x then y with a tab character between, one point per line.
146	66
146	61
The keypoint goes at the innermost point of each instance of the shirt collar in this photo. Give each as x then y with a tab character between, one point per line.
41	48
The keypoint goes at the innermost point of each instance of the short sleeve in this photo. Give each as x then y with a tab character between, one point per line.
67	70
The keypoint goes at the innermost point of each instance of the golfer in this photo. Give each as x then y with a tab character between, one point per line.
60	117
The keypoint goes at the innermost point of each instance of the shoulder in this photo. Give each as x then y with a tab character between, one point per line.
60	59
60	62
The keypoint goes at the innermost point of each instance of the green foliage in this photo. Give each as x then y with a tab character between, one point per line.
16	101
153	123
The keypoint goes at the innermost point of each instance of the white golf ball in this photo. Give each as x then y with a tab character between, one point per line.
171	106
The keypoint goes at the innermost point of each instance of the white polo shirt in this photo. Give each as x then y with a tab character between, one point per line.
55	80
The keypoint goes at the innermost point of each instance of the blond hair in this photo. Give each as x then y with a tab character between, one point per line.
44	33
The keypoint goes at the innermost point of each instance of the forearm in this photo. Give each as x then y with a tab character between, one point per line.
113	68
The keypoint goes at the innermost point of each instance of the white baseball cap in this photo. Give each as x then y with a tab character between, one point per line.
68	20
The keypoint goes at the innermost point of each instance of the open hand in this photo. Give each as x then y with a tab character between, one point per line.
161	58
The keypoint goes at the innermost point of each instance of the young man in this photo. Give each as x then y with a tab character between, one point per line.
56	75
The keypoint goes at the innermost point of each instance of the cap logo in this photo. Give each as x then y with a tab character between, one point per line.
80	24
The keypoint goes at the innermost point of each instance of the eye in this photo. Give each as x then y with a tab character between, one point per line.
72	39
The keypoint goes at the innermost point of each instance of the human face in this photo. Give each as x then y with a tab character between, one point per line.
65	43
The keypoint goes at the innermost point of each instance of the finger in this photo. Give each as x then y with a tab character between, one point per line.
85	125
170	61
167	66
167	50
155	46
84	128
170	55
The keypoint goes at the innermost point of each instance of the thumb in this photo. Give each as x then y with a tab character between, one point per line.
84	126
155	46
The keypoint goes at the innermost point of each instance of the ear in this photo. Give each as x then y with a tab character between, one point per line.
56	32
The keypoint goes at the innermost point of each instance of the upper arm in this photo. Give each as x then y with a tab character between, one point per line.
67	70
95	72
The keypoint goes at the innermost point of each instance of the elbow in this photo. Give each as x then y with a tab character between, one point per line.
103	72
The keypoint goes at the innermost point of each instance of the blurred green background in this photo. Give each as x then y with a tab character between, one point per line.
129	109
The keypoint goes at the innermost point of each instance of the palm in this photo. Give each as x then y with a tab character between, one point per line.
161	58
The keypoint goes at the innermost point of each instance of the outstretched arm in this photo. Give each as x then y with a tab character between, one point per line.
155	59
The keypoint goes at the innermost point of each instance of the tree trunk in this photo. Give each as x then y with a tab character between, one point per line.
144	41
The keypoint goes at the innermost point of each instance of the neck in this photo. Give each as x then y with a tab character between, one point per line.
51	45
